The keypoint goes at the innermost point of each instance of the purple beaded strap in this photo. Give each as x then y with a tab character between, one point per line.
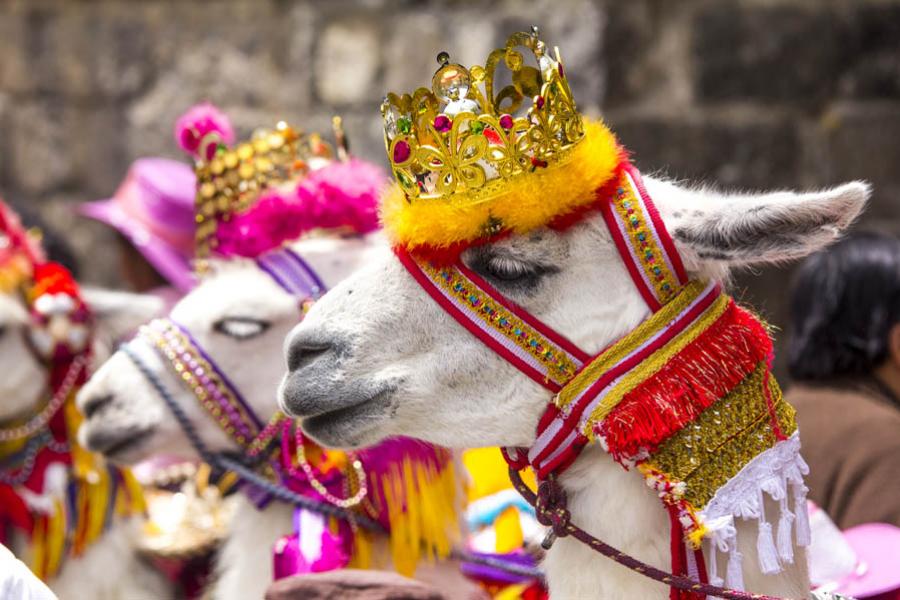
292	273
216	393
258	424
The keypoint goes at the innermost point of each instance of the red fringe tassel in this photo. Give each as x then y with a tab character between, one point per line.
703	372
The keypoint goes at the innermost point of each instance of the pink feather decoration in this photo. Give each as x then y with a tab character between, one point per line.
340	195
198	122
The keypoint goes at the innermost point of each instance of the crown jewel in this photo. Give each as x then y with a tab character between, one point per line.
233	179
464	137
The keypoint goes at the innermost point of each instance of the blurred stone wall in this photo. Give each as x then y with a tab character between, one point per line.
738	93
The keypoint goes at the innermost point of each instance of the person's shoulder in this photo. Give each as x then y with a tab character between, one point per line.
843	408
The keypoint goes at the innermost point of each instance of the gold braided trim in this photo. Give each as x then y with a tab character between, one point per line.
654	363
725	437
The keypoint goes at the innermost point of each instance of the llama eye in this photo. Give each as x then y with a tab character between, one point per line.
507	269
241	328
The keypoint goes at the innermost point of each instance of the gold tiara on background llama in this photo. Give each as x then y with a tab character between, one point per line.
474	160
231	179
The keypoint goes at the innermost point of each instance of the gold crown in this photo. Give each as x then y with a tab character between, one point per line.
235	178
463	138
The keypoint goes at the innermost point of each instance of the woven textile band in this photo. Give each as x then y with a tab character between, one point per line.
643	242
547	357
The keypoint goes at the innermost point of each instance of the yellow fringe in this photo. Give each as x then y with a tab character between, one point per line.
528	202
362	550
421	504
93	493
56	536
39	548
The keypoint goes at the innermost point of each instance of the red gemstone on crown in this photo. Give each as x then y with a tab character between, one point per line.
506	122
540	102
442	123
401	151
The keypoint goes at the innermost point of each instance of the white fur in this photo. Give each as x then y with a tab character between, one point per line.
235	289
426	377
109	569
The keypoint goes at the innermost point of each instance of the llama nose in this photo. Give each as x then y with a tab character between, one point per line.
92	404
304	352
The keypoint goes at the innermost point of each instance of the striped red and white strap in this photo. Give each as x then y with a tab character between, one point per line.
643	242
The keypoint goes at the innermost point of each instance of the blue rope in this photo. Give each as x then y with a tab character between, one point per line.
221	463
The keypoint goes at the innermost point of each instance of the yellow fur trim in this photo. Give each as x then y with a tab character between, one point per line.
528	202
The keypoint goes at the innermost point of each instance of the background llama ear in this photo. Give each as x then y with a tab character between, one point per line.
118	314
762	228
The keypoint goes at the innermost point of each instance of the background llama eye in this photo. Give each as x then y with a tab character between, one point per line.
241	328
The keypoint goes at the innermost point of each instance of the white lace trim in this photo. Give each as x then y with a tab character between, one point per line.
779	473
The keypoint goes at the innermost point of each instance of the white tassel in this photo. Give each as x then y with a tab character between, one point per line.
734	576
802	515
785	543
765	547
712	566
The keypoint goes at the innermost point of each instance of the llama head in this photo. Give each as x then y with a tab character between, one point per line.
376	357
113	315
239	315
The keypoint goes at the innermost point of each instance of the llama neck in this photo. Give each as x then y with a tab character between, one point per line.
615	506
244	566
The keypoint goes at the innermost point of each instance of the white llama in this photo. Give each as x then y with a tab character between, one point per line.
240	316
377	357
109	568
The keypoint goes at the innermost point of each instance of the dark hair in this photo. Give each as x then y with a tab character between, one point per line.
844	302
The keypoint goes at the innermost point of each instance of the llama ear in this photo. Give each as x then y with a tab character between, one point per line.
762	228
118	314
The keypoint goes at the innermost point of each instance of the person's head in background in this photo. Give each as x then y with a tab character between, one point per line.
845	314
153	213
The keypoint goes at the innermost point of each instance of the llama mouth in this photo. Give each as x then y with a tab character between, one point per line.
344	426
118	445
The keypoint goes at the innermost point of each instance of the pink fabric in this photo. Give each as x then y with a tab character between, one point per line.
340	195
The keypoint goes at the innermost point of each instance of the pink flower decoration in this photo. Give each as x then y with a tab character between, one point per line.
198	122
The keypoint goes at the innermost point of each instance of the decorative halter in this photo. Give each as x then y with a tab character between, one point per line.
339	498
52	489
686	398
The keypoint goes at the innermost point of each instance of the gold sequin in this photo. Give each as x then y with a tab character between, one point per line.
726	436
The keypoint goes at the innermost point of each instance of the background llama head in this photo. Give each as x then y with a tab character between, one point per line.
245	303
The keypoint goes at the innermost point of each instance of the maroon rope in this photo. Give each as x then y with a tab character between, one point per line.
550	508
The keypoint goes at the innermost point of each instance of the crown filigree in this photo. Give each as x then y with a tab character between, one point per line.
233	179
464	138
